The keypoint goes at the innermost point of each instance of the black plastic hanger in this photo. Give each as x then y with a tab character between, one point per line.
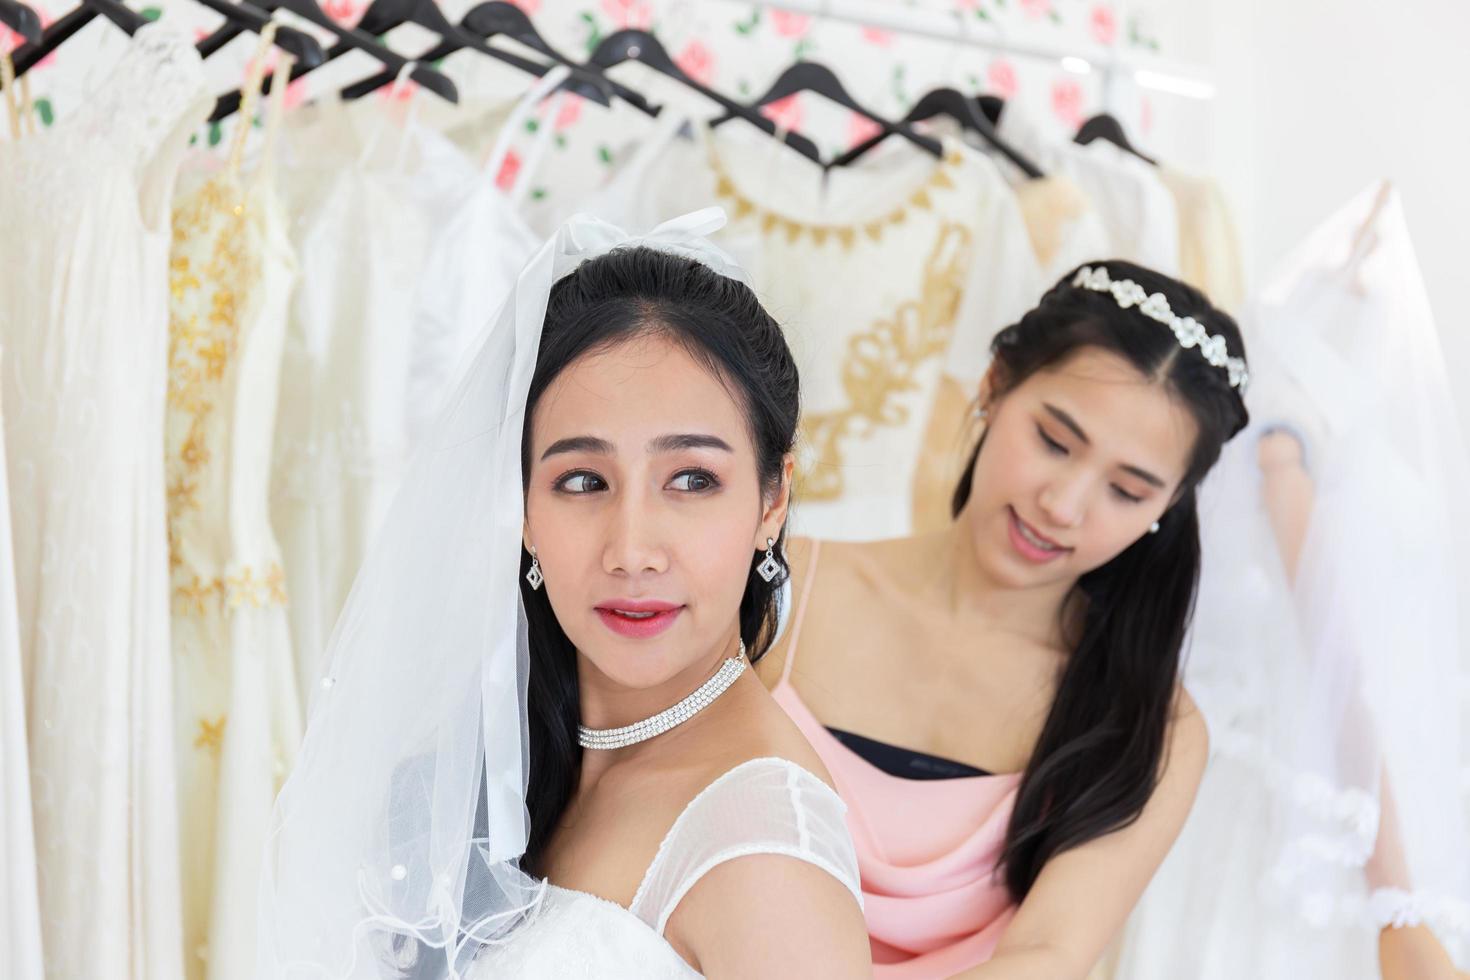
65	27
352	37
641	46
809	76
298	44
21	19
991	106
380	18
498	18
475	31
1105	127
949	102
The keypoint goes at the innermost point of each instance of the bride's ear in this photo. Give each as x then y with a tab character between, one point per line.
773	515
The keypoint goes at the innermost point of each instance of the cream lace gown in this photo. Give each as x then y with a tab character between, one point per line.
237	712
84	324
764	806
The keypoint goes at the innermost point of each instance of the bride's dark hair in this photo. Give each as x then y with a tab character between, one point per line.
609	300
1102	746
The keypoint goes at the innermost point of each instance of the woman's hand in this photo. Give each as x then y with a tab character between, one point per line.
1415	953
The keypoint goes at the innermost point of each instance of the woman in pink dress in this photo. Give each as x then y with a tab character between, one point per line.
999	703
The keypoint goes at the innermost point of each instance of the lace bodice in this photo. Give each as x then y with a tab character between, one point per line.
764	806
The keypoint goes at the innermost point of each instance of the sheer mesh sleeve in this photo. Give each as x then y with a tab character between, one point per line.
765	806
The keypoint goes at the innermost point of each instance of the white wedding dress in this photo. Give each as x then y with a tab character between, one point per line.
84	324
407	250
764	806
237	710
20	912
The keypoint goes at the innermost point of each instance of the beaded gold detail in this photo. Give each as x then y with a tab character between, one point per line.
882	365
772	222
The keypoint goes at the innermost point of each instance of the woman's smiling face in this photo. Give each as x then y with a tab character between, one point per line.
645	507
1079	460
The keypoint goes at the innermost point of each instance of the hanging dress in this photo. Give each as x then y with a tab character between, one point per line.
890	281
1066	231
389	299
1209	248
1136	209
84	324
1335	696
20	911
236	704
476	252
351	176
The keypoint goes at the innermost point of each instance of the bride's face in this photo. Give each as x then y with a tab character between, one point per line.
645	509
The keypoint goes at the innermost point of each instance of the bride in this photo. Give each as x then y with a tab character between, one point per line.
538	750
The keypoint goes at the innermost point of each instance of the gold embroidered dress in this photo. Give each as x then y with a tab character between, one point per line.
236	705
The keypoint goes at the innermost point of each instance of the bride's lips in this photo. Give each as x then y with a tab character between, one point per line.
638	619
1030	543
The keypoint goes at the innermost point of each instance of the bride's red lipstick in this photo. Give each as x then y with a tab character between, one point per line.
638	619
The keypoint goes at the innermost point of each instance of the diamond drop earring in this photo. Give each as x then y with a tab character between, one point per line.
533	574
769	568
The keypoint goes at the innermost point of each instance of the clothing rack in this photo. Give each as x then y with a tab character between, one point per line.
955	28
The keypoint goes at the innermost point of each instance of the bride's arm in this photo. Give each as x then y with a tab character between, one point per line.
768	915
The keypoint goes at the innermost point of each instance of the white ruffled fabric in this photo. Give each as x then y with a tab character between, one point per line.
1335	804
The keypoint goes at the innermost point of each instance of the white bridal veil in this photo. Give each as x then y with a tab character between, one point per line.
395	841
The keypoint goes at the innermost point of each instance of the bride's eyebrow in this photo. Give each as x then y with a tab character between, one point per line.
579	444
662	444
687	440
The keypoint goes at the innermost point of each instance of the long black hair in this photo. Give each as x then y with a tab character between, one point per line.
608	300
1102	746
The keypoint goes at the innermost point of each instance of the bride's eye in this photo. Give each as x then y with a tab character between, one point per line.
579	481
694	481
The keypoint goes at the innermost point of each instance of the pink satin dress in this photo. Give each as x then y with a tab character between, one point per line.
927	848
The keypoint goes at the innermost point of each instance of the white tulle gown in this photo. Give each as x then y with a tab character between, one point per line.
1335	802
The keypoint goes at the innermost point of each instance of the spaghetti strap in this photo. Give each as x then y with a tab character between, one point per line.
806	593
275	109
249	94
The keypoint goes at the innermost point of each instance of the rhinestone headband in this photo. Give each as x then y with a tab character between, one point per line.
1189	331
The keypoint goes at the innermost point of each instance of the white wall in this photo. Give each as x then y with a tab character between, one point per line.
1320	97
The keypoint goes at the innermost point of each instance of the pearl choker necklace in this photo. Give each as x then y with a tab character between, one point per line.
703	697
